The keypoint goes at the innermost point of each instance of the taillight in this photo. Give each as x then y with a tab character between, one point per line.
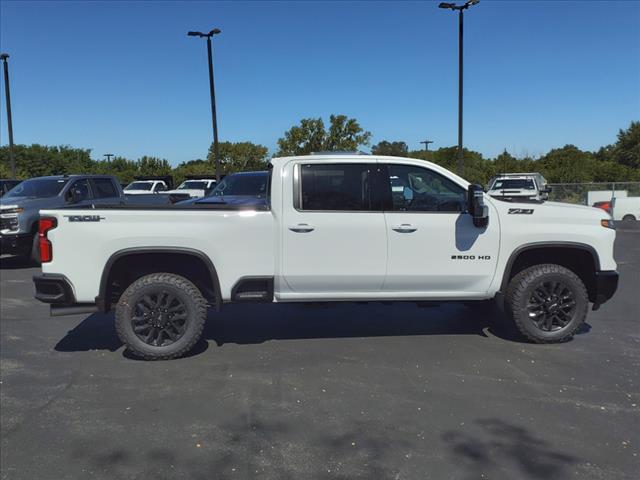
46	249
606	206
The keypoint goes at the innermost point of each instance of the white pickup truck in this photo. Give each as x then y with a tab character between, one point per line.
334	228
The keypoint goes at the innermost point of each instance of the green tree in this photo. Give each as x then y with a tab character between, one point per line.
568	164
311	136
626	150
393	149
239	157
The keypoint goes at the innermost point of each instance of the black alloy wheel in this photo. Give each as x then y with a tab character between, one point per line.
551	305
159	319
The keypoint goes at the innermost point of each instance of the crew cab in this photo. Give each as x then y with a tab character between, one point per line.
334	228
519	187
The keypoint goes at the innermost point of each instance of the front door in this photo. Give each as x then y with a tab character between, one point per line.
434	249
334	239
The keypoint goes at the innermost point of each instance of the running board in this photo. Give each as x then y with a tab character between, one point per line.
59	311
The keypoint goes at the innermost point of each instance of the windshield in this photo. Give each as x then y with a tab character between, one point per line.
518	183
38	187
193	185
250	185
139	186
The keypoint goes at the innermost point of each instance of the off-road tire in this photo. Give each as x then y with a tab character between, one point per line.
520	290
184	291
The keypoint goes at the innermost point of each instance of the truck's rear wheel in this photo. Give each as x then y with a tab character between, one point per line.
629	218
160	316
548	303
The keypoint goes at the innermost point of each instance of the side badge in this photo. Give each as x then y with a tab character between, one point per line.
520	211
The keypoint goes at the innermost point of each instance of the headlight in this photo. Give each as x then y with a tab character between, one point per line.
607	223
11	211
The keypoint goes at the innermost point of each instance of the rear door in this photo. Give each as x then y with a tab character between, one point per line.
334	240
105	191
434	250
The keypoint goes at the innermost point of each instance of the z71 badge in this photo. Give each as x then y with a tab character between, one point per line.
84	218
520	211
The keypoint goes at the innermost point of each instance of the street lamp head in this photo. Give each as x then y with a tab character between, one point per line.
447	5
215	31
4	56
472	2
195	34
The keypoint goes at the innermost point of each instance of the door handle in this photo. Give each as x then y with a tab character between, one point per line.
302	228
404	228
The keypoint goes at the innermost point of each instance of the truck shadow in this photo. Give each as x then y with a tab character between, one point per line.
256	323
8	262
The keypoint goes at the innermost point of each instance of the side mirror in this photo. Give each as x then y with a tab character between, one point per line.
407	193
477	209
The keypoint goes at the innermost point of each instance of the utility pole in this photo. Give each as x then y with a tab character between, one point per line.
426	144
460	9
212	92
108	155
7	93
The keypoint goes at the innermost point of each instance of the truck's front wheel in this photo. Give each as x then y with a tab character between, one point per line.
548	303
160	316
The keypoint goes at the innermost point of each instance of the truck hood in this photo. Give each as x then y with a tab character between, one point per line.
31	203
567	213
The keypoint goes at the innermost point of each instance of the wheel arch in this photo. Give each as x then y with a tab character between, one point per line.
580	258
140	263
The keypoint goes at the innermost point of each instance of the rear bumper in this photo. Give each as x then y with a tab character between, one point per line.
606	286
56	290
16	244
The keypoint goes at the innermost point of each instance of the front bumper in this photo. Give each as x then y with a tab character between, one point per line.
16	244
605	286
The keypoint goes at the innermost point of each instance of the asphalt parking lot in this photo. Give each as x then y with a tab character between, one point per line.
340	391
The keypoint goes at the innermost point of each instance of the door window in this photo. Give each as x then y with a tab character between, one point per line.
417	189
82	189
104	188
336	187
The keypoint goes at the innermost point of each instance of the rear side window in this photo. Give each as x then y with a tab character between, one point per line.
104	188
337	187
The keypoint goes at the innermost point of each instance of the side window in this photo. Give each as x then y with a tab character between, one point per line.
343	187
104	188
417	189
82	187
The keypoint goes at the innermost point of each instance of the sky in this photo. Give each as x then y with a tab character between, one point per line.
122	77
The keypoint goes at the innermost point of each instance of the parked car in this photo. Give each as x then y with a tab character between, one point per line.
519	186
20	207
141	187
196	188
242	188
6	185
626	209
333	229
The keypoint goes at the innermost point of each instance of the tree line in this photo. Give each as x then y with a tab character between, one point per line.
617	162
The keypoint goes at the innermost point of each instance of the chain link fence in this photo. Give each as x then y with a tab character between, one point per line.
590	193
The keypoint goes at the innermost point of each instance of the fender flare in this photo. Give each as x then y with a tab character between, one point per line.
506	274
101	299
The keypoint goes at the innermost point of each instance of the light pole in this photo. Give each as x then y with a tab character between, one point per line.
108	155
7	93
426	144
216	156
460	9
